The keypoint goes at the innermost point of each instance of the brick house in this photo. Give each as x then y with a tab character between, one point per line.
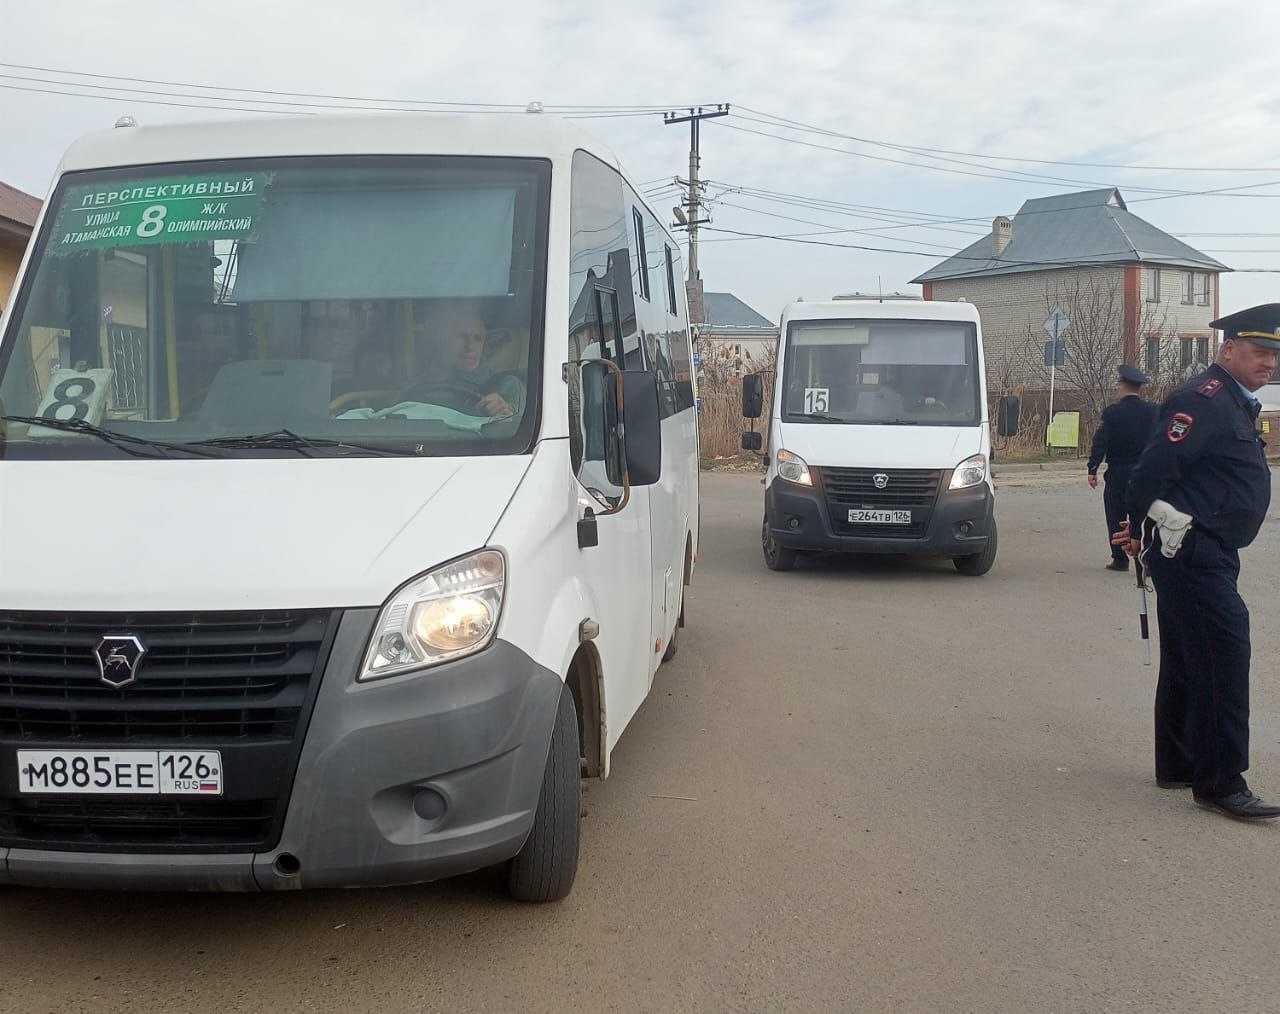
18	213
1133	291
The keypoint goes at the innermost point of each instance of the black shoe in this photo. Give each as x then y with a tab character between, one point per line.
1118	565
1171	783
1242	805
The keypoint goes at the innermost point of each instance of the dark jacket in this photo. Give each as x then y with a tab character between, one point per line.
1206	459
1122	434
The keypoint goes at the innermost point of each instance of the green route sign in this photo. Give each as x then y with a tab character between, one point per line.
178	210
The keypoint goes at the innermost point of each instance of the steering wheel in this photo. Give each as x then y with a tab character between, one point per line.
447	394
361	399
938	403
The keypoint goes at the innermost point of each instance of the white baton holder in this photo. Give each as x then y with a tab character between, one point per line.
1173	525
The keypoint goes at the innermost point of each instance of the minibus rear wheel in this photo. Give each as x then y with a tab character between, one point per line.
543	870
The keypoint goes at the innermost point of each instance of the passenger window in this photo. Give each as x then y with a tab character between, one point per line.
642	265
671	280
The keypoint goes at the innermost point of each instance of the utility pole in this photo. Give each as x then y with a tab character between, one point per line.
693	203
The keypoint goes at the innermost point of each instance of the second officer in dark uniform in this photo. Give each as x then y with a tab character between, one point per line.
1120	438
1199	495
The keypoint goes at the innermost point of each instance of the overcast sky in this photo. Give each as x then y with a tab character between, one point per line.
1179	84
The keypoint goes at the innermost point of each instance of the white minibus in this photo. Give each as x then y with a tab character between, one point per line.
348	499
878	436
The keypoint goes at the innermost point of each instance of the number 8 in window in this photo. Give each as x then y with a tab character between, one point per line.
74	394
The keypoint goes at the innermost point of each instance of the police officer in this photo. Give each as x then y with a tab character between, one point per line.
1120	438
1200	491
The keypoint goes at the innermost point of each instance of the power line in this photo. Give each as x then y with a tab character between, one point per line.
1064	263
892	221
152	102
1163	193
1018	174
316	95
830	204
798	125
831	228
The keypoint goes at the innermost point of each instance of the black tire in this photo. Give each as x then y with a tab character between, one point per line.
979	563
776	555
545	866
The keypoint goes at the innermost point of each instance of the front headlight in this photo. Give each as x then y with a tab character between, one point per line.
441	615
792	467
970	472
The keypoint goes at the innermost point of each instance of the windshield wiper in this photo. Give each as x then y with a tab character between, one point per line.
283	439
126	442
820	417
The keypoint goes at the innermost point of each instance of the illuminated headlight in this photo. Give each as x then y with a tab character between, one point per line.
970	472
792	467
444	614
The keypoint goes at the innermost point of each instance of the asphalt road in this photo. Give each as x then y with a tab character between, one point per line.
902	789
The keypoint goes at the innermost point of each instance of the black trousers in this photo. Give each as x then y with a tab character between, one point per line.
1202	697
1113	495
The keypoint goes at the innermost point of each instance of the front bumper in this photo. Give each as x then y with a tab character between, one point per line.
468	742
960	520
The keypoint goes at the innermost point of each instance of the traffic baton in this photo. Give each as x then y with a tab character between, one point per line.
1144	629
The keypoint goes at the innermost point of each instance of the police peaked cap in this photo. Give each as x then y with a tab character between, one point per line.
1258	324
1132	375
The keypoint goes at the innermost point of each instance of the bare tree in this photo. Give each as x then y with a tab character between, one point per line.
1095	340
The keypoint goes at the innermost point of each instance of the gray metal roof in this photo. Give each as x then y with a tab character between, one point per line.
725	310
1067	230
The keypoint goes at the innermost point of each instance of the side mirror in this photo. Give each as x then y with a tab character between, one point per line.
642	427
752	396
752	441
1007	411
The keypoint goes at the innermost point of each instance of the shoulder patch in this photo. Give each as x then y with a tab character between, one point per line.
1180	425
1210	387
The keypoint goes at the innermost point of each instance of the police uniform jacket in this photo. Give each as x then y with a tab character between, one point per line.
1122	434
1205	458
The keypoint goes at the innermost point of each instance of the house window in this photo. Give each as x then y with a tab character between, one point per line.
1193	352
643	259
1188	287
1153	285
1203	289
1153	357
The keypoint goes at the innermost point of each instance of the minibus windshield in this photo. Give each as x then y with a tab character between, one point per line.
316	307
907	372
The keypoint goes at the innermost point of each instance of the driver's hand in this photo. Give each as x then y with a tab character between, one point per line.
931	401
495	406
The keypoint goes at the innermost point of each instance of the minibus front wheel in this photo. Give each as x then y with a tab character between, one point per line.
979	563
776	555
544	868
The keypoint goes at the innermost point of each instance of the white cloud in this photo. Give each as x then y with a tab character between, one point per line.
1184	83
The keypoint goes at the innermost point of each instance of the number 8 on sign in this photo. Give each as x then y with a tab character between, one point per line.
73	396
